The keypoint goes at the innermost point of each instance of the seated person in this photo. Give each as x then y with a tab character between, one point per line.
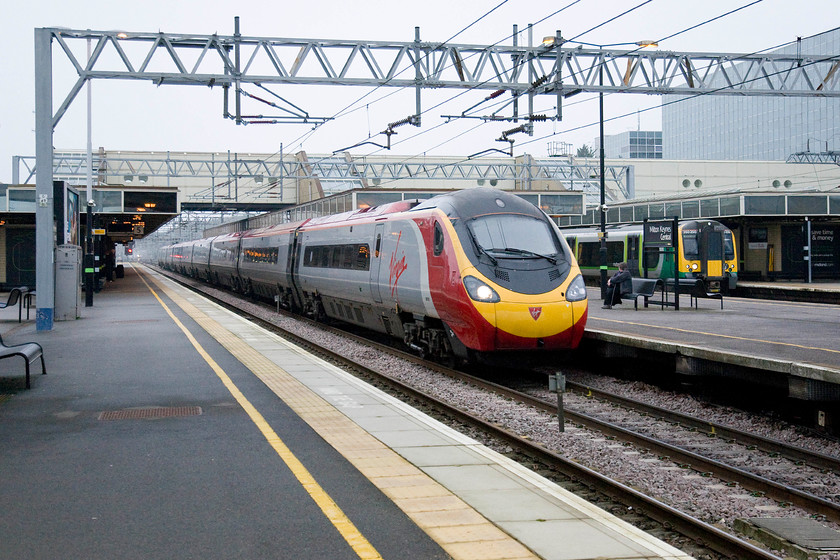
619	284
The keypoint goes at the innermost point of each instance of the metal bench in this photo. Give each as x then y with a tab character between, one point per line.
29	351
16	296
695	288
642	287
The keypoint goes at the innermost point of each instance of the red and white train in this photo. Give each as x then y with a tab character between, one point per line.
469	274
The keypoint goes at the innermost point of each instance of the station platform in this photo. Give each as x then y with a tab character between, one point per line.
168	427
800	340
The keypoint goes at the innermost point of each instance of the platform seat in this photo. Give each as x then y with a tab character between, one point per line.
642	287
16	296
695	288
29	351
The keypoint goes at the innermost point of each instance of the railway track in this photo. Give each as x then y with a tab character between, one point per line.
708	536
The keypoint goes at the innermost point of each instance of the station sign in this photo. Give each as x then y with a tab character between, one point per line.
659	234
98	231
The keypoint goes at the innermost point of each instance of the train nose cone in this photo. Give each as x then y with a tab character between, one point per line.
534	321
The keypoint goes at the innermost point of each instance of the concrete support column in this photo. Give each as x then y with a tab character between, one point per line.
44	218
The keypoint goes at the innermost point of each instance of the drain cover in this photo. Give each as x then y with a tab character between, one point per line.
150	413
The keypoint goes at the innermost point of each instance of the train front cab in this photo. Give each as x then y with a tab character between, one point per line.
518	299
708	253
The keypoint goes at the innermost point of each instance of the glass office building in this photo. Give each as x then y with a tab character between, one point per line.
721	127
633	144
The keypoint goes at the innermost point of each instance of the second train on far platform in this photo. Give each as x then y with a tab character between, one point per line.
707	253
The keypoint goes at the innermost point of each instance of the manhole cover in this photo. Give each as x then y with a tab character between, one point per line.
150	412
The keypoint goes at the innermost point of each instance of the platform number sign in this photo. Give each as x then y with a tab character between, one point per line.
663	236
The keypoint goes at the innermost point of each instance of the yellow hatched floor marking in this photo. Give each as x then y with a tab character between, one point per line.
340	521
460	530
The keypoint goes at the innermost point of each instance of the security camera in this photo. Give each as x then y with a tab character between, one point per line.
91	203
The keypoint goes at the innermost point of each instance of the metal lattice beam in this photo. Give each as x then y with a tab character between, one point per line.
169	58
578	174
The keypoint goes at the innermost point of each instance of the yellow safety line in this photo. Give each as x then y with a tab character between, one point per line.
340	521
713	334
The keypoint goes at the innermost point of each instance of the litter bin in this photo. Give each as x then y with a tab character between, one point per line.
119	271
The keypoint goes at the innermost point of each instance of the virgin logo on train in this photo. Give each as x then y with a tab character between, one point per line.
535	312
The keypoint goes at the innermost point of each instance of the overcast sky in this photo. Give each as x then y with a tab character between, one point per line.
140	116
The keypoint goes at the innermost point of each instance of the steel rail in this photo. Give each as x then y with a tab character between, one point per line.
753	482
701	532
713	429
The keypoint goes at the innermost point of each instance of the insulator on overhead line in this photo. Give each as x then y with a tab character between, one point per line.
495	94
539	81
411	119
520	128
538	118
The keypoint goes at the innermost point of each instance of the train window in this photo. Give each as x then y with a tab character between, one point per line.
353	256
500	231
362	257
590	253
335	257
652	259
378	245
438	248
715	249
348	254
266	255
691	244
615	252
728	246
633	252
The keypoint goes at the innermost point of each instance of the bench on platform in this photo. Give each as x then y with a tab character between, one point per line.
16	296
695	288
642	287
29	351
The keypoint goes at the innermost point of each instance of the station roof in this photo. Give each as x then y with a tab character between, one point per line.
124	212
554	203
715	204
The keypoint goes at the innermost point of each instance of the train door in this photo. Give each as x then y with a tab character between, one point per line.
293	269
632	260
376	263
713	259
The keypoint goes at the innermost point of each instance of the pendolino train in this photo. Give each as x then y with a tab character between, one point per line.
472	274
707	253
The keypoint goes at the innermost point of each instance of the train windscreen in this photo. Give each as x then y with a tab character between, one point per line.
501	232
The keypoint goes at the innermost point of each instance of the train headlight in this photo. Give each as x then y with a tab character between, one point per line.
577	289
694	266
479	291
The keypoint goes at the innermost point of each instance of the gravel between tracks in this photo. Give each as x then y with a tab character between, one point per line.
706	498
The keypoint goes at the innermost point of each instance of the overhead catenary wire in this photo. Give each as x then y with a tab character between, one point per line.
414	136
635	112
458	95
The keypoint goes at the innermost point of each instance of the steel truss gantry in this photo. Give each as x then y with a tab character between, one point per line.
577	173
231	61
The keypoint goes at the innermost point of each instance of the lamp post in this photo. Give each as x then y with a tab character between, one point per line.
602	207
603	202
87	260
